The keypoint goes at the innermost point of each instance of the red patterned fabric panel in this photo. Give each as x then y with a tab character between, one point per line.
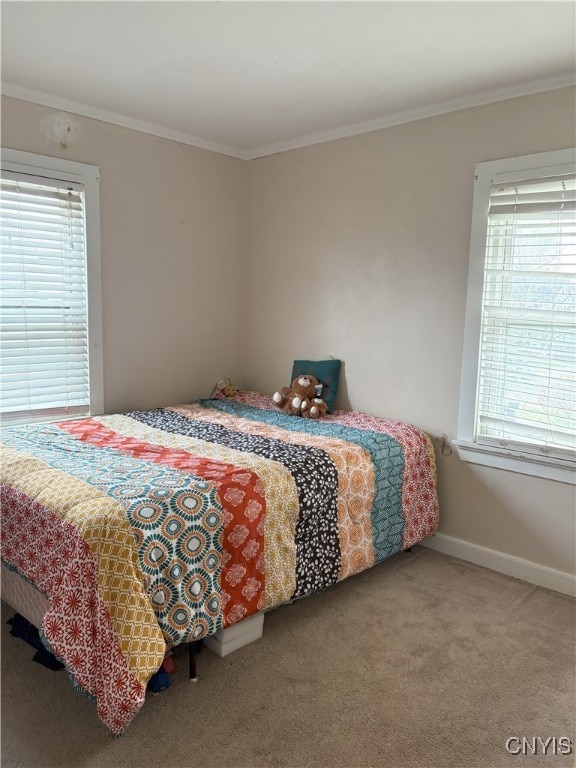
51	553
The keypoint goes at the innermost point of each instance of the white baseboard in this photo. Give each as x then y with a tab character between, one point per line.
503	563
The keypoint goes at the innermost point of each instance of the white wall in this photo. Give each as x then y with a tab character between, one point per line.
172	229
359	248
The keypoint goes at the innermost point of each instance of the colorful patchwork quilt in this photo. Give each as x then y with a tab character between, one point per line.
153	528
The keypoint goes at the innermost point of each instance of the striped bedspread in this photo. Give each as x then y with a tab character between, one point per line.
152	528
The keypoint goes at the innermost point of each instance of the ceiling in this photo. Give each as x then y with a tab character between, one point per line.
252	78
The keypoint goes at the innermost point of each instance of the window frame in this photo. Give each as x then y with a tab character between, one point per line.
469	448
88	176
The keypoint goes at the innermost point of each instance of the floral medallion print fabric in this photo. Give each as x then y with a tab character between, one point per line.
355	483
242	579
387	457
278	517
315	477
110	642
419	495
152	528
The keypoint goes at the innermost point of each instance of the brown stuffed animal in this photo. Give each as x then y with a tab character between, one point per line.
317	409
300	399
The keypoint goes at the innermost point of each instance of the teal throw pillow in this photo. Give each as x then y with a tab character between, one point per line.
326	371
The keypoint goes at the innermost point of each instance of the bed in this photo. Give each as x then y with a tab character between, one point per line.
149	529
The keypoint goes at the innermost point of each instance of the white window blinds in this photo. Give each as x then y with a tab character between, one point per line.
44	370
527	392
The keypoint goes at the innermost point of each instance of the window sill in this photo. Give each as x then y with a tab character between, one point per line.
515	461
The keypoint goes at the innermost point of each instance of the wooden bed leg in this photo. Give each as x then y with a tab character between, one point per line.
193	649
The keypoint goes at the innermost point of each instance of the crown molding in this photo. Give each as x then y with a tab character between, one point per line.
85	110
421	113
342	132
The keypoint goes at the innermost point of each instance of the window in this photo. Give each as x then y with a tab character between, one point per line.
50	315
518	396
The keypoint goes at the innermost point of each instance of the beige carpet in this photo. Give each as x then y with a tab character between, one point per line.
423	662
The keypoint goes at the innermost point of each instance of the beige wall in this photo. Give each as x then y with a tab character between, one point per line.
172	229
358	248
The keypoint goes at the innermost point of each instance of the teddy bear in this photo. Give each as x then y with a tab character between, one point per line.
317	409
300	398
